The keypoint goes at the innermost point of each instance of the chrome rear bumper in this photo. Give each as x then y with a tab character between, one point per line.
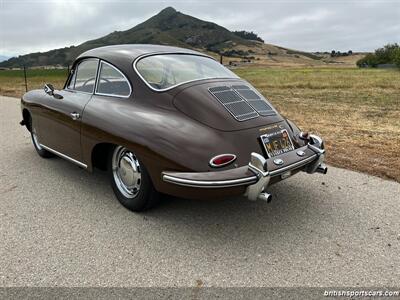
258	164
256	176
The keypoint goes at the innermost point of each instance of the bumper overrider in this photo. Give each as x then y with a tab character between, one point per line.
259	172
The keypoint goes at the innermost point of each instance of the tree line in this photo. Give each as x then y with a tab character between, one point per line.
248	35
338	53
388	54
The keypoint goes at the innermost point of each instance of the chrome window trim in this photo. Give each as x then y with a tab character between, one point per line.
75	91
71	76
98	79
64	156
97	71
179	84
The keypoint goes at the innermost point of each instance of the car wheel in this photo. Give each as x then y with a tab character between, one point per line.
38	147
130	180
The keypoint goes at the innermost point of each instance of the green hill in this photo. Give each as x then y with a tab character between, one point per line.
169	27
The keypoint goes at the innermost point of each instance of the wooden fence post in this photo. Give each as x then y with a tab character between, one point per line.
26	83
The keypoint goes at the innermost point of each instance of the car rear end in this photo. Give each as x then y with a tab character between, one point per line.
265	148
232	140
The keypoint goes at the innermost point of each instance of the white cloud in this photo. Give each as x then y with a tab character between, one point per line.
40	25
302	20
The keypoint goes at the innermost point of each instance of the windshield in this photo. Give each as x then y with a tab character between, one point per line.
164	71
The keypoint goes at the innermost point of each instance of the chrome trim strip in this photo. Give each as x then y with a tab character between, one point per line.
293	166
112	95
75	91
64	156
209	184
98	78
171	87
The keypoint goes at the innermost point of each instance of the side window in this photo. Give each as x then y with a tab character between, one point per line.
112	82
84	77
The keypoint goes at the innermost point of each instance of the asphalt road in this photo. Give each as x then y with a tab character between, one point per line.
62	226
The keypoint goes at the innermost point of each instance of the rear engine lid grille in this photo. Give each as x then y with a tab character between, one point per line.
242	102
241	110
233	103
219	89
249	95
226	97
262	108
254	99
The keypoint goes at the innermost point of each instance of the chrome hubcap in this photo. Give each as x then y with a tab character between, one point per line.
35	139
126	172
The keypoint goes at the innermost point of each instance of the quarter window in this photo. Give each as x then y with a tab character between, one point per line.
84	77
112	82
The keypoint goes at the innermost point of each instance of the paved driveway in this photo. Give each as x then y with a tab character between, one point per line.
62	226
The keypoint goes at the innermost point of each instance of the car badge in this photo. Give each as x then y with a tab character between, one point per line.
278	161
300	153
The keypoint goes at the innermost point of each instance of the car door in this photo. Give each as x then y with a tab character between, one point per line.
61	123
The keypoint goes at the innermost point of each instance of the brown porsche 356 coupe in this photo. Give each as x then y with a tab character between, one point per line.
167	120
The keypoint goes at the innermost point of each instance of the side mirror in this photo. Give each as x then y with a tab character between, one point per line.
49	90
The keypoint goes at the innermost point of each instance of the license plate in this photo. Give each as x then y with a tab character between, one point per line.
276	143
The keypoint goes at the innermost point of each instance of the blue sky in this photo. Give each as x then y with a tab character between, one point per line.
35	25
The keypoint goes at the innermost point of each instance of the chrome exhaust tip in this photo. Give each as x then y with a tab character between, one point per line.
265	197
322	169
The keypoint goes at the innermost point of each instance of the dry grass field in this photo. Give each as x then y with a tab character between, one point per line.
12	82
357	111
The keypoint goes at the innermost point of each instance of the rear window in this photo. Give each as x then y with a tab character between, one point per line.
165	71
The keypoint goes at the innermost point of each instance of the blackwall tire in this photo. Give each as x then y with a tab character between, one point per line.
130	180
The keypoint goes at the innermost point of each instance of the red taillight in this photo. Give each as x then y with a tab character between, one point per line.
222	160
304	135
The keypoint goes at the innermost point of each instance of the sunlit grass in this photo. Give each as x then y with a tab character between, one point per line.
357	111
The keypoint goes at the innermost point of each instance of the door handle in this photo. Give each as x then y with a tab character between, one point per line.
75	116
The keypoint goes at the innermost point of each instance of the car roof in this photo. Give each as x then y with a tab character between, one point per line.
129	52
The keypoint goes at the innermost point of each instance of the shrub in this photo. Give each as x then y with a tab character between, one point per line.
370	60
389	54
248	35
396	58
